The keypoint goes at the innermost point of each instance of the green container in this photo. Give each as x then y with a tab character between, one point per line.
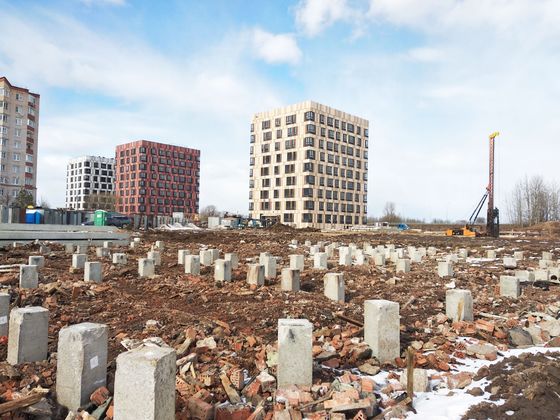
100	218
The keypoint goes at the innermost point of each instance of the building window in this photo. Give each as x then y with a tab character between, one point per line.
291	119
309	116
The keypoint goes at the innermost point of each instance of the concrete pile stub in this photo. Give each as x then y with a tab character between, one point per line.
160	245
491	254
93	271
546	263
542	274
145	384
263	256
133	245
329	249
82	249
28	277
320	261
192	264
155	256
81	363
146	267
43	249
314	249
547	256
459	305
233	258
463	253
416	257
102	252
525	275
208	256
344	256
452	258
510	262
432	251
510	286
290	281
37	260
360	257
137	240
295	357
107	244
307	243
269	263
334	286
28	335
4	313
181	254
79	261
69	248
382	329
445	269
380	260
403	265
222	270
120	258
519	255
255	274
297	262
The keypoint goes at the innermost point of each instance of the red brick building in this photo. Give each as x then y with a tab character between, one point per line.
156	179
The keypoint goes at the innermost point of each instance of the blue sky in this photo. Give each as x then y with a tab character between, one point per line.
434	77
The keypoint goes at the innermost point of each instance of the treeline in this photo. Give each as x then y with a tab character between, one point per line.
534	201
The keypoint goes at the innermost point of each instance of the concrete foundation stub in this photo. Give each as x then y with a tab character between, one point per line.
491	254
295	358
290	281
93	271
146	267
320	261
160	245
403	265
518	255
82	249
510	286
255	274
28	277
382	329
510	262
181	254
297	262
233	258
81	363
4	313
445	269
69	248
79	261
334	286
120	258
222	270
459	305
379	260
192	265
107	244
37	260
145	384
155	256
547	256
28	335
269	264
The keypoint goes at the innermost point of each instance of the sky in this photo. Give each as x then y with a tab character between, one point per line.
433	77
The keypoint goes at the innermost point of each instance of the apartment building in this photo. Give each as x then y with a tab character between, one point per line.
309	167
90	183
19	129
156	179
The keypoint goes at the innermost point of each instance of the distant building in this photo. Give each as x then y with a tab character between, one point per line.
156	179
19	129
90	183
309	167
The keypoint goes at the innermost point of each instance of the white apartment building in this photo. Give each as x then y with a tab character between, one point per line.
309	167
19	129
90	183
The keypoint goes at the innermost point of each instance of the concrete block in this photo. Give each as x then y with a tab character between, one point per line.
459	305
294	242
518	255
360	257
382	329
137	240
334	286
420	380
542	274
120	258
255	274
422	251
192	264
320	261
133	245
546	263
491	254
79	261
510	262
160	245
233	258
297	262
290	281
145	384
28	277
510	286
37	260
155	256
295	337
146	267
445	269
81	363
208	256
181	254
432	251
525	275
28	335
82	249
307	243
69	248
380	249
269	267
263	256
416	257
4	313
93	271
314	249
344	256
393	256
403	265
222	270
379	260
102	252
107	244
452	258
400	253
547	255
329	249
463	253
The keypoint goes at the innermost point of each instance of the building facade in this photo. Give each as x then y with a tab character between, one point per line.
19	129
90	183
156	179
309	167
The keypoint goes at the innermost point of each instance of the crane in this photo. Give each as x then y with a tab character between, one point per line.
493	214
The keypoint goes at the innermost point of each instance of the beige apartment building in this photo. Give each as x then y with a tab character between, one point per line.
19	128
309	167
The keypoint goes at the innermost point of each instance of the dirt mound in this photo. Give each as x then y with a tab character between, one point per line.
529	384
551	228
279	227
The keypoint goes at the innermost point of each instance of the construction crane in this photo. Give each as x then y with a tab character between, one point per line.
493	214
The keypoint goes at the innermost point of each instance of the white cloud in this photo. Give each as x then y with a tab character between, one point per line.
425	54
275	48
314	16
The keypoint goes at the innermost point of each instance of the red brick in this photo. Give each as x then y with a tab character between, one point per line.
100	395
199	410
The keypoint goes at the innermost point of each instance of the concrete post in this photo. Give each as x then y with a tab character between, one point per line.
320	261
382	329
82	249
295	337
255	274
518	255
525	275
192	264
344	256
160	245
146	267
28	335
445	269
510	262
222	270
120	258
145	384
81	363
403	265
459	305
107	244
463	253
297	262
79	261
102	252
233	258
28	277
432	251
314	249
4	313
206	257
380	260
269	267
155	256
93	271
491	254
37	260
510	286
290	280
334	286
547	256
181	254
69	248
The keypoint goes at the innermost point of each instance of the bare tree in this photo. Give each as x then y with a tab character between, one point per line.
532	201
389	213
